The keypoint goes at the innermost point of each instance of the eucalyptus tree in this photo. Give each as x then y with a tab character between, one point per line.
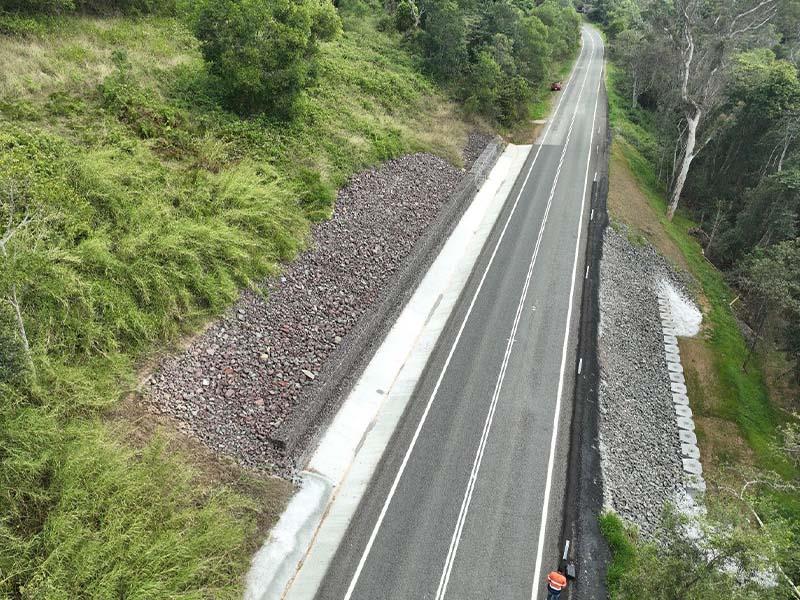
702	38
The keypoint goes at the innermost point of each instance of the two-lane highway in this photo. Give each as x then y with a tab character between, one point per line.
466	502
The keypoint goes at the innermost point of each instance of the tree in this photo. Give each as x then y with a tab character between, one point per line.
264	52
531	49
767	215
703	38
772	276
407	16
718	557
445	41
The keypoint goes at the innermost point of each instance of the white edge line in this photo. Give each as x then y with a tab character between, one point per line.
400	471
551	461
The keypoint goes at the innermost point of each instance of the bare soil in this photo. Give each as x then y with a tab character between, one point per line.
627	203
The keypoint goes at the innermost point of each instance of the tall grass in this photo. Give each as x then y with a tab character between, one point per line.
151	207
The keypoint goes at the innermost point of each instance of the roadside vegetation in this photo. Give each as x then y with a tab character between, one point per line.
723	206
495	57
147	174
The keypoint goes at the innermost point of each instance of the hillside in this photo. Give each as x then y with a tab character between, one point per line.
145	208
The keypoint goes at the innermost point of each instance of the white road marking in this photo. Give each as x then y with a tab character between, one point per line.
587	272
476	465
591	216
536	586
580	368
407	456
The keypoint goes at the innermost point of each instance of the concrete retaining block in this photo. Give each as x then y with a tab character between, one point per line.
695	485
692	466
676	377
680	398
678	387
690	451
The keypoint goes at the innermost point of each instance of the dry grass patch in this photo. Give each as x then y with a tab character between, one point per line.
628	203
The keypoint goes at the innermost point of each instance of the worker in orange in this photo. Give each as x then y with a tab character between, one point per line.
556	582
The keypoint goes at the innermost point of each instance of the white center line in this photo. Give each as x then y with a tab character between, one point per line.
407	456
473	478
537	585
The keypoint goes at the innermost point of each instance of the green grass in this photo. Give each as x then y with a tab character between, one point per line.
543	96
153	207
622	546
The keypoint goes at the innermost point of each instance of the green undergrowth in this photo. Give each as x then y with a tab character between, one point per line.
622	546
150	207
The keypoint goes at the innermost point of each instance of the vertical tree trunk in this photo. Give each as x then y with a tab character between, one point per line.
688	155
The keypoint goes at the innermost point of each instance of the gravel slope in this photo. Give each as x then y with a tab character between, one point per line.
640	449
243	376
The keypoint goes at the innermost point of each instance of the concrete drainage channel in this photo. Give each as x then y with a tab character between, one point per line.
692	469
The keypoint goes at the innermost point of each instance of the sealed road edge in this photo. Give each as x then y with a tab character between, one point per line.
299	549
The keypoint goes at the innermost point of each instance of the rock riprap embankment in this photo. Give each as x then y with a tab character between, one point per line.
640	443
237	381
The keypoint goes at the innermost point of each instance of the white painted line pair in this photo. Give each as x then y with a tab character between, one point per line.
690	453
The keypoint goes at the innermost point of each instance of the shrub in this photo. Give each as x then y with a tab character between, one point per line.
407	16
264	53
512	100
37	6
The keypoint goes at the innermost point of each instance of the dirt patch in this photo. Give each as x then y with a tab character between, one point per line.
627	203
701	377
721	445
527	133
720	440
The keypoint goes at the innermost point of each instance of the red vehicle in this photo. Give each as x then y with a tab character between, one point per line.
555	86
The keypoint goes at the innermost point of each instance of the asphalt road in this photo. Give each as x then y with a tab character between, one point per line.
467	500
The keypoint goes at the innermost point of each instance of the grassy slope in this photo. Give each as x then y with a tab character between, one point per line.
152	208
736	420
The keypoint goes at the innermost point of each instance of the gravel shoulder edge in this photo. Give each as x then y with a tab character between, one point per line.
296	435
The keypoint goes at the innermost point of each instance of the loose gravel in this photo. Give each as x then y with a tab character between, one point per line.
640	448
241	378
